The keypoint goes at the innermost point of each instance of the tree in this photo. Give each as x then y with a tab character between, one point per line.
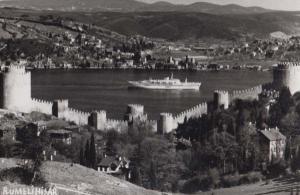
82	157
287	153
153	175
136	176
261	120
285	101
295	165
93	157
87	154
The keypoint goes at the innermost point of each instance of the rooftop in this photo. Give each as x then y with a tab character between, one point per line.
60	131
273	134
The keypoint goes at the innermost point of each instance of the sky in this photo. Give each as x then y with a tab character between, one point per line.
292	5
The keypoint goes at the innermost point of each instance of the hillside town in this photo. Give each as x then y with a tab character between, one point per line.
81	47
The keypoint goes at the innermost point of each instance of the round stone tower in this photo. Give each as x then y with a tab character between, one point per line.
15	86
165	123
221	98
287	74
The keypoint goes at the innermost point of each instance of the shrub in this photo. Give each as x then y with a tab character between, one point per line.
196	184
214	177
231	180
251	177
277	168
17	175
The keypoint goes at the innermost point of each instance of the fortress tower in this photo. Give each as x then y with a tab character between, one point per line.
165	123
15	86
287	74
60	108
135	111
221	98
98	120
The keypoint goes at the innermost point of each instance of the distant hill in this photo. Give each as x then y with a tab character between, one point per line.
172	26
204	7
75	5
181	26
129	6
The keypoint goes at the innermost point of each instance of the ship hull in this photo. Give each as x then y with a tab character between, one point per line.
165	87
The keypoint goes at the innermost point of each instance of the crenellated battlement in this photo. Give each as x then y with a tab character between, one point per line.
250	90
40	101
16	68
100	112
195	111
43	106
288	64
167	114
17	71
292	66
224	92
78	112
137	106
115	121
167	122
251	93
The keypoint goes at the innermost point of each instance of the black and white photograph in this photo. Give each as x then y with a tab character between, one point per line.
149	97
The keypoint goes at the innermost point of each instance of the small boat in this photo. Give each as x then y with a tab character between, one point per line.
166	83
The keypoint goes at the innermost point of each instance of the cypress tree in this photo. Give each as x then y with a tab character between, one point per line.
153	175
81	157
87	154
92	152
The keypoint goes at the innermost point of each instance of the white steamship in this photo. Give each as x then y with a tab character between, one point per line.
166	83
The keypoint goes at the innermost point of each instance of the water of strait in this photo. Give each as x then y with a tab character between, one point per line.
90	90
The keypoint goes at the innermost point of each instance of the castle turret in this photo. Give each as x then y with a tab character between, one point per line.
221	98
60	108
287	74
15	86
134	111
165	123
98	120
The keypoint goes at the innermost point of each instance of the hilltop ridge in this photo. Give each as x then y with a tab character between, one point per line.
130	6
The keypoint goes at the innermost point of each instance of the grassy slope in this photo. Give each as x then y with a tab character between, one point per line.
81	178
281	186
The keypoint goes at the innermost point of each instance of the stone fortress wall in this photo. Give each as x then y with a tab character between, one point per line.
15	95
224	98
41	106
167	122
252	93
